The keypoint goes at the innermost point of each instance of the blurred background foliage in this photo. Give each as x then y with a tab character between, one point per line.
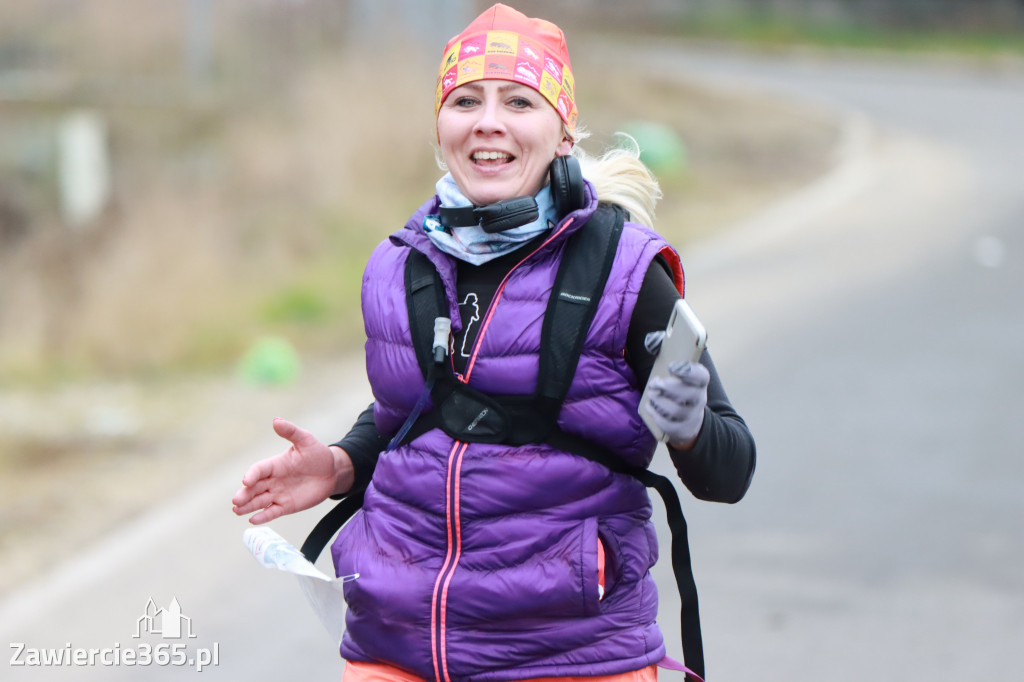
257	150
976	26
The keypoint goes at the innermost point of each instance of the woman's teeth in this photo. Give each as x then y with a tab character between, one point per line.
491	156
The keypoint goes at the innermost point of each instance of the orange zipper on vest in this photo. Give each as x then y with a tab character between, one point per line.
439	601
453	482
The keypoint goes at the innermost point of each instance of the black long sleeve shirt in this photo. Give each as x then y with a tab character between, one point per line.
717	468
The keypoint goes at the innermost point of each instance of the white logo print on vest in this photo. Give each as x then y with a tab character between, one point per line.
469	309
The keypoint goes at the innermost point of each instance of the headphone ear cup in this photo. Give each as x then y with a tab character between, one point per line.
566	185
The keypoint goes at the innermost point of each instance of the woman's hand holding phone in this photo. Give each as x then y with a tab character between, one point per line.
676	402
673	401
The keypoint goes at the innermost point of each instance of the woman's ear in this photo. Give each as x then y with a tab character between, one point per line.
564	147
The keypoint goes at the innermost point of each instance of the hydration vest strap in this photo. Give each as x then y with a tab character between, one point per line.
689	611
579	285
426	300
330	524
468	415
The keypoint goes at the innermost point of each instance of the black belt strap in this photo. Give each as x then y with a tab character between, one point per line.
689	611
330	524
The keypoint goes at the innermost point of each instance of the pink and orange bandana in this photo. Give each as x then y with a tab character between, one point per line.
505	44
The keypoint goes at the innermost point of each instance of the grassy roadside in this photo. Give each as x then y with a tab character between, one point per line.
984	32
779	33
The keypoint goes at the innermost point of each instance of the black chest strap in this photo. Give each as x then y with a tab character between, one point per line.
471	416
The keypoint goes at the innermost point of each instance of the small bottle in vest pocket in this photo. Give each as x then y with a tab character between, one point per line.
442	329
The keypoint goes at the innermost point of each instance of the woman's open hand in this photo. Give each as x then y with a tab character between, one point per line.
301	477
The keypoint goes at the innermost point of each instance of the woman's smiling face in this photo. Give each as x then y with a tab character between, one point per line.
498	139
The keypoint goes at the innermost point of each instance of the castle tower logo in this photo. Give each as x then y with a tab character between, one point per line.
169	623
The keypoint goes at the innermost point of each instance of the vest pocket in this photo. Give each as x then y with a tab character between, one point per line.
593	564
609	560
498	586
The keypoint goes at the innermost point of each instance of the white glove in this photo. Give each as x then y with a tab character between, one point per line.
677	402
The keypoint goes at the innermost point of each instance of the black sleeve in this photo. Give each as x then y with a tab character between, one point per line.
654	303
720	465
363	443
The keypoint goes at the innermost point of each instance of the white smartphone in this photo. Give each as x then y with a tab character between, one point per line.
685	340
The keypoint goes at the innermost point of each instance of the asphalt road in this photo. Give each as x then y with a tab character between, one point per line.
869	329
872	331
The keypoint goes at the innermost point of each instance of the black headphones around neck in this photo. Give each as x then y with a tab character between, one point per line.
567	193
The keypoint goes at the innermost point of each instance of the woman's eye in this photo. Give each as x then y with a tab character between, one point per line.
465	102
520	102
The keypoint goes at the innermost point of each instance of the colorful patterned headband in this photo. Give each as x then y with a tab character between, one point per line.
505	44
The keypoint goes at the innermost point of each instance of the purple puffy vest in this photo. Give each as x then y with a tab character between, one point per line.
480	561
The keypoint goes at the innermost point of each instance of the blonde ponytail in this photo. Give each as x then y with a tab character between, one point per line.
620	177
